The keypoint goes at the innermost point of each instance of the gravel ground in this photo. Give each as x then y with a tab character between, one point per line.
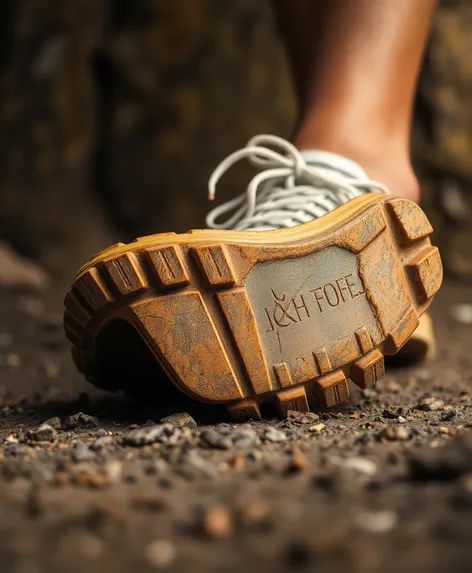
94	482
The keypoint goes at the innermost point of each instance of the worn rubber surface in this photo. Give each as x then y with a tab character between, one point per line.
244	318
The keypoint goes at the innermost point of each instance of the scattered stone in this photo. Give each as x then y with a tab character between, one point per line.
224	428
81	420
445	430
86	475
448	415
368	394
134	427
218	522
113	471
160	553
376	521
401	420
302	417
395	412
163	433
271	434
430	404
101	443
318	428
244	437
101	433
298	463
54	422
416	431
359	465
390	413
181	419
45	433
215	439
195	461
82	453
394	433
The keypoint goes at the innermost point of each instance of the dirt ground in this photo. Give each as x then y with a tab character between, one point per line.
381	484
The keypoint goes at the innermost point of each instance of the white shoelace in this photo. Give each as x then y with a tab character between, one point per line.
287	191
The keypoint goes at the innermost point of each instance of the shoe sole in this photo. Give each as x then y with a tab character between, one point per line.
246	318
420	346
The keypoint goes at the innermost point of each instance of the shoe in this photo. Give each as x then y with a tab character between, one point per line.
317	273
420	346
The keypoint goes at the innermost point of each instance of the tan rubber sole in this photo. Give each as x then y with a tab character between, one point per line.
245	318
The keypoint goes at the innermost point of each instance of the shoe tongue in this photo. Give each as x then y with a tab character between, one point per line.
338	163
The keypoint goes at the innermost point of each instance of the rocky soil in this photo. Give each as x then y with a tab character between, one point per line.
94	482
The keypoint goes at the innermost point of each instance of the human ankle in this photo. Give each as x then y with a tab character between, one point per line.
386	163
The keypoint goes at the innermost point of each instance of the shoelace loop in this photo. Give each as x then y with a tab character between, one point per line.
286	192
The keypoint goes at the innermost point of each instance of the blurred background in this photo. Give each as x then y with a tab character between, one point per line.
115	112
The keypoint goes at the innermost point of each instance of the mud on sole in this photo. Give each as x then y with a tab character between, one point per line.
244	318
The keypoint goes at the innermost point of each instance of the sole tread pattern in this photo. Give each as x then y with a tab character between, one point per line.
159	289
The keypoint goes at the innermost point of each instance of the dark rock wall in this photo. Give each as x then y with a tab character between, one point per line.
443	133
114	113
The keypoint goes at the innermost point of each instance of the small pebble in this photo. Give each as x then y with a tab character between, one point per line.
299	462
54	423
163	433
82	453
218	522
44	433
160	553
430	404
181	419
101	443
317	428
394	433
360	465
244	437
448	415
113	471
302	417
81	420
214	439
271	434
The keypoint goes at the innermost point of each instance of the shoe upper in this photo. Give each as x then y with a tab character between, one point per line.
292	187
